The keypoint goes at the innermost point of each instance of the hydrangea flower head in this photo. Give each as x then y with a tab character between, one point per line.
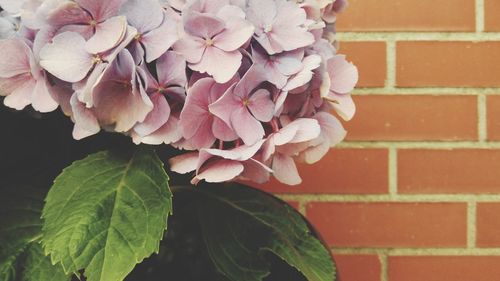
244	88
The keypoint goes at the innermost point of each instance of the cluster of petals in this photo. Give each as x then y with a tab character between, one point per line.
245	88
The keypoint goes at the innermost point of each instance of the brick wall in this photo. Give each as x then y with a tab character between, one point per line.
414	193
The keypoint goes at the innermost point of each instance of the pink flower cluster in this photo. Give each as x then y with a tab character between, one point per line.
246	87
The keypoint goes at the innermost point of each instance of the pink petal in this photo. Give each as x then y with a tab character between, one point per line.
236	34
156	118
108	35
61	13
246	126
159	40
169	133
192	48
343	75
261	105
86	123
222	131
21	97
66	57
256	171
343	105
219	64
184	163
305	75
220	170
225	105
240	153
285	170
42	99
171	69
15	58
204	26
101	10
195	110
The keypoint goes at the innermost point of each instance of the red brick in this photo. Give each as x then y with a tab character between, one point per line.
408	15
492	15
449	171
390	224
407	118
371	60
448	64
341	171
488	225
444	268
358	267
493	119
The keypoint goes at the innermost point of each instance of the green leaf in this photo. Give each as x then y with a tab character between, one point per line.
21	255
107	213
241	226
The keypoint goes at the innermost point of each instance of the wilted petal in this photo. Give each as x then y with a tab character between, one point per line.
66	57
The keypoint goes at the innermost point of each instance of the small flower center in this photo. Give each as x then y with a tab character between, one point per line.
246	102
138	37
209	42
93	23
268	28
96	59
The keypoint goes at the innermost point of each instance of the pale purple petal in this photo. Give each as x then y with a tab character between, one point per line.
343	105
285	170
237	33
203	25
343	75
66	57
108	35
144	15
221	65
86	123
102	10
156	118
